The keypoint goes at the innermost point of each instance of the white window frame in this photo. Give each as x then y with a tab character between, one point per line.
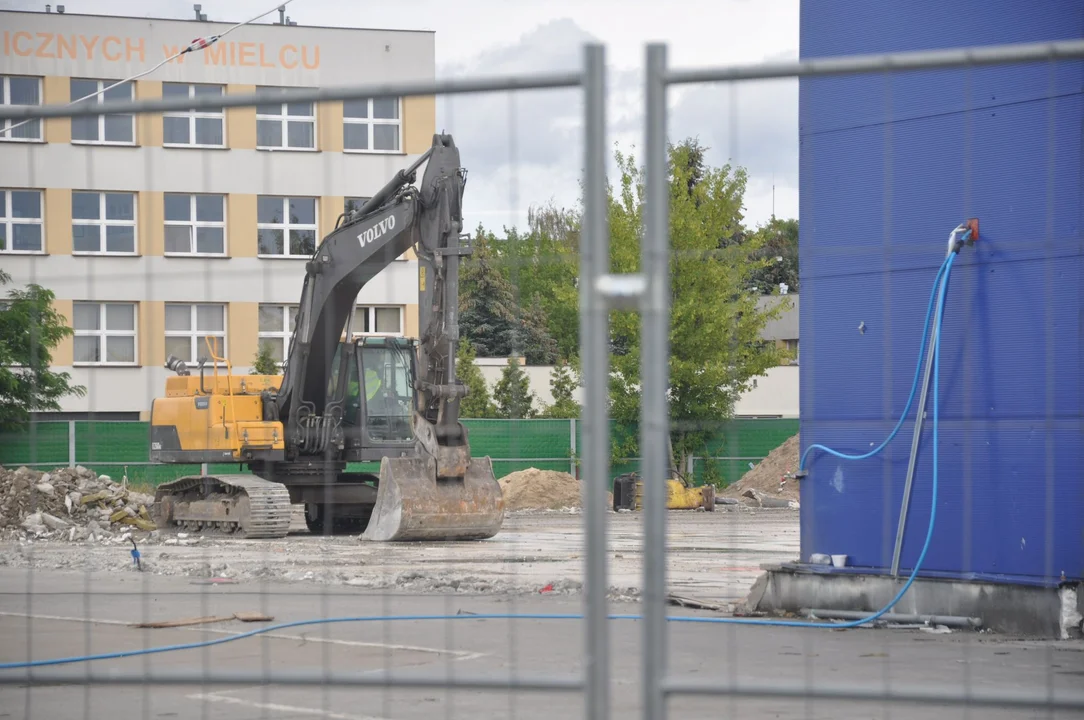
100	119
103	223
371	122
103	334
192	115
284	120
286	226
193	223
284	333
370	312
6	124
10	222
198	349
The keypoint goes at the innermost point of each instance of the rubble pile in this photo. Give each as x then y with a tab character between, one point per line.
70	503
767	483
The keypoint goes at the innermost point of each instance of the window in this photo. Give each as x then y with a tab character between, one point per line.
103	223
21	221
376	320
286	226
372	125
102	129
188	326
286	126
193	128
353	204
195	224
105	333
18	90
792	348
275	328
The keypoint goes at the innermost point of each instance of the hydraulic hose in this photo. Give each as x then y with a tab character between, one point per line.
939	292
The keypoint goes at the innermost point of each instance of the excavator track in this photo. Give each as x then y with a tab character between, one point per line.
237	505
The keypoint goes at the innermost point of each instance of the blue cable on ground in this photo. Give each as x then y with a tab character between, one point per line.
943	271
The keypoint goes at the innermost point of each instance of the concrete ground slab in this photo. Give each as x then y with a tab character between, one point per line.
61	599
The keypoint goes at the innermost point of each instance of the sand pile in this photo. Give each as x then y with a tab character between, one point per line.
72	503
534	489
768	478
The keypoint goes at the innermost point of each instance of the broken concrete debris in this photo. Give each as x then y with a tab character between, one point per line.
70	503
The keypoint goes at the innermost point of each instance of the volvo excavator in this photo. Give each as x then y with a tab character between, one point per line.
342	399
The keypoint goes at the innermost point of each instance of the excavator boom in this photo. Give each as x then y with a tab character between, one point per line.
343	400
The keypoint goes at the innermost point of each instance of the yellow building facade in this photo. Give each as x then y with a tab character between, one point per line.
157	231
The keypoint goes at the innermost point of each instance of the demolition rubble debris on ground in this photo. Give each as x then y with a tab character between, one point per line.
70	503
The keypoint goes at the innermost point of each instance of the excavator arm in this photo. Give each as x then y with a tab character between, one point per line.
400	216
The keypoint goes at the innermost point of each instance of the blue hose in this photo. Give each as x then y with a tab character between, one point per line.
914	384
943	271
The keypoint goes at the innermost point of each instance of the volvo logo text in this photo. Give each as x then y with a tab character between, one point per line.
377	231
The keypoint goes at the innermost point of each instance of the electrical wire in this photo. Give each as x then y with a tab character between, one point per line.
940	292
200	43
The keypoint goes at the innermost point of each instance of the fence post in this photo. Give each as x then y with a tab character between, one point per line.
594	324
71	443
655	376
572	443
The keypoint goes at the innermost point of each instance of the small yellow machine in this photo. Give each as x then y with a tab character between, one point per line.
628	491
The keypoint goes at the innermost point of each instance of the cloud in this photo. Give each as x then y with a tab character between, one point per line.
526	148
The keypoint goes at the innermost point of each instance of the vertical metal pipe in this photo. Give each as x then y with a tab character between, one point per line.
71	443
920	416
572	446
595	351
655	379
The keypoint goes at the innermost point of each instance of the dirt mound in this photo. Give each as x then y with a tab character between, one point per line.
768	478
72	503
534	489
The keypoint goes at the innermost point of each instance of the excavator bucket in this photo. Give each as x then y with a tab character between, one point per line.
413	504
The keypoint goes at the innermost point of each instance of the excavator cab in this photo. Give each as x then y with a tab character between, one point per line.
378	400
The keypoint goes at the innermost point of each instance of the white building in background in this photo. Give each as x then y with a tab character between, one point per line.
155	232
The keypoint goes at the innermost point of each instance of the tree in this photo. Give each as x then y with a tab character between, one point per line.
715	323
487	305
538	347
490	318
563	383
512	393
543	265
778	241
30	329
477	403
264	363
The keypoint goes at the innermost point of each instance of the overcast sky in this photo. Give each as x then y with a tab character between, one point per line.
529	151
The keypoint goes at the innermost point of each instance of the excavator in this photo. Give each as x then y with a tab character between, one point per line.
342	399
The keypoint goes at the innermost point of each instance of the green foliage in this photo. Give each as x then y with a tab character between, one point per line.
30	329
512	394
490	318
563	383
264	363
778	241
715	324
477	403
543	265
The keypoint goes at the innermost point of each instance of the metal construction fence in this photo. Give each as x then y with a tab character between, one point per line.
385	673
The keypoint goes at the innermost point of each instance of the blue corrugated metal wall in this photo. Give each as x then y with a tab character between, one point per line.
889	166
